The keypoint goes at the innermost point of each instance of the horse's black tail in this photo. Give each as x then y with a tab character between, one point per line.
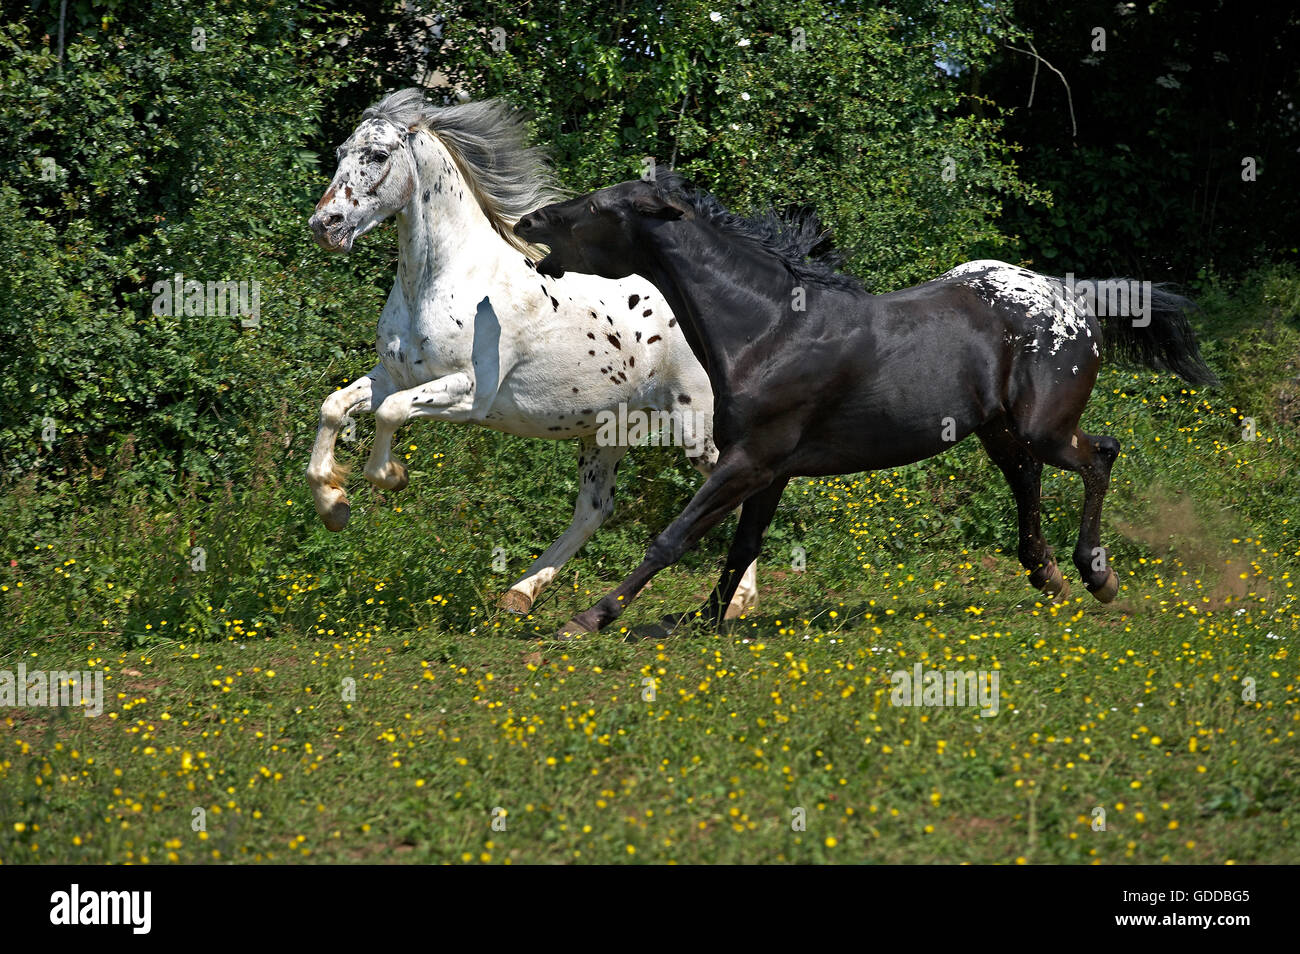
1162	338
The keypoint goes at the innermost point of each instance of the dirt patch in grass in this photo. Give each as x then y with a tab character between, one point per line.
1173	529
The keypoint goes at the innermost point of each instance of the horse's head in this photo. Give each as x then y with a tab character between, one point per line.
597	234
375	178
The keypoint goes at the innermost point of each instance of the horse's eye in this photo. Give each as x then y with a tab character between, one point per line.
591	207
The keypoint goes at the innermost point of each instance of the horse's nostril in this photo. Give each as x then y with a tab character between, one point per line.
333	219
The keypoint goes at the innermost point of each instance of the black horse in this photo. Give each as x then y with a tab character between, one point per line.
814	376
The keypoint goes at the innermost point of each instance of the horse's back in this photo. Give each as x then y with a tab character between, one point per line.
1044	314
961	350
1043	326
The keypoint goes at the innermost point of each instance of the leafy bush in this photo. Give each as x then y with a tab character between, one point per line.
138	158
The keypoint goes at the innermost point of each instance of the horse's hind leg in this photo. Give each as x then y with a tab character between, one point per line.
744	599
1024	475
1091	456
597	467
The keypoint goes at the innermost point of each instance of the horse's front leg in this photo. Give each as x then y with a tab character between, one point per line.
449	398
324	474
745	600
734	480
742	558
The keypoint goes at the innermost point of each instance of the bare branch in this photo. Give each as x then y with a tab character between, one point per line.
1069	98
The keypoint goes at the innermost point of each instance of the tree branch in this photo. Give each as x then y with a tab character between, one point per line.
1069	98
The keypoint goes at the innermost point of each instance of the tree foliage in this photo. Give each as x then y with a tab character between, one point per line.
135	158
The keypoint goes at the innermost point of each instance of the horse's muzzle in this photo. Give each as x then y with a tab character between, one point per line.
524	226
331	232
549	267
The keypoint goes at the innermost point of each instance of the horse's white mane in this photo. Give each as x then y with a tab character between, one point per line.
489	143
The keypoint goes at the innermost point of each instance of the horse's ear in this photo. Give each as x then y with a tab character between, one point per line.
656	206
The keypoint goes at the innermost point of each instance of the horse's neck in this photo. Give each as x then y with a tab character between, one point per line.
717	317
442	224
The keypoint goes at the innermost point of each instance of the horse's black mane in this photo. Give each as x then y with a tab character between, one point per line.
796	236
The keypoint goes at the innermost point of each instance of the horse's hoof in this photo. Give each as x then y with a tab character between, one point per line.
1108	590
573	629
403	478
393	480
398	481
736	610
1055	586
677	621
516	602
337	517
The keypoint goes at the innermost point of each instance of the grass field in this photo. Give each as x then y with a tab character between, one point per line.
310	696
